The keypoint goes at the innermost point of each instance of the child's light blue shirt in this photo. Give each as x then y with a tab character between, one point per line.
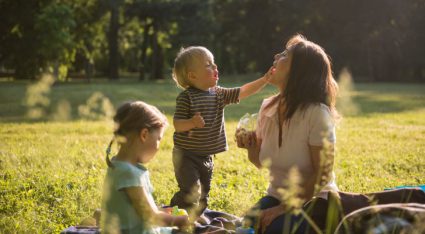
118	213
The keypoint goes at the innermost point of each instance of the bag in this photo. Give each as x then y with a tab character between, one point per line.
389	218
327	214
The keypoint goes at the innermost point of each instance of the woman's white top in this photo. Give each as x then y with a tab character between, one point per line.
311	126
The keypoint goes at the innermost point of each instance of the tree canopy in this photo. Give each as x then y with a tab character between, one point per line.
379	40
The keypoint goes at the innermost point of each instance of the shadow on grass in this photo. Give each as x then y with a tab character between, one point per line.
368	98
396	103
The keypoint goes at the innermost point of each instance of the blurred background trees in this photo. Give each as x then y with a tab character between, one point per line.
379	40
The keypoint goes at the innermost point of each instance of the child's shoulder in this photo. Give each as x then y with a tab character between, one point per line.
220	89
184	94
121	167
189	92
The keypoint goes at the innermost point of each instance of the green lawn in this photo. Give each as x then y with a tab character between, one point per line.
51	172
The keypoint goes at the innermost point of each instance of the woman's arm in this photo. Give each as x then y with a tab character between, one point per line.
321	171
322	158
254	152
147	209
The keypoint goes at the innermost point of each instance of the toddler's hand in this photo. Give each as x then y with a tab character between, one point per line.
198	121
184	224
269	74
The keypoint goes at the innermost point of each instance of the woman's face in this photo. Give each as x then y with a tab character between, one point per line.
282	66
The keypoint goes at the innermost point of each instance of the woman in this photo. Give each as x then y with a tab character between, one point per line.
296	131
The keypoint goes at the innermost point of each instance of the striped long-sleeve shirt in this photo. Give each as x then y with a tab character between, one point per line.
211	139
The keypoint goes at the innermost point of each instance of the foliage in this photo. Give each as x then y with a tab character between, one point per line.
376	41
90	38
51	173
54	25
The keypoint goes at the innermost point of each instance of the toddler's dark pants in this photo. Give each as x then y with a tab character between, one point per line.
193	173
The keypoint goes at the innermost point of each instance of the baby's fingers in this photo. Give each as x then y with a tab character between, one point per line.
239	141
246	140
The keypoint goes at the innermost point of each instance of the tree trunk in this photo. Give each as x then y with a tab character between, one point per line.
144	48
157	57
370	65
88	61
113	40
56	70
88	69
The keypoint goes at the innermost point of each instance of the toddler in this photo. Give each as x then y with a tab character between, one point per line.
199	123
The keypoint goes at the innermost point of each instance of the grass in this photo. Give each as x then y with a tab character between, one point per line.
51	172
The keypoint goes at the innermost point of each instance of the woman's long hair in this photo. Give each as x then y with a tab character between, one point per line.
310	80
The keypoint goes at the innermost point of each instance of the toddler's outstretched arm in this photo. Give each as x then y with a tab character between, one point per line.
251	88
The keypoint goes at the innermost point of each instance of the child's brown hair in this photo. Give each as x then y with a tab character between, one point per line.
132	117
184	62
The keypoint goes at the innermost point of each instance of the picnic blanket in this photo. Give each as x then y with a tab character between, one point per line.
339	211
216	223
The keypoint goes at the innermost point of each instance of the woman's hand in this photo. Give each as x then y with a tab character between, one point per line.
246	139
268	215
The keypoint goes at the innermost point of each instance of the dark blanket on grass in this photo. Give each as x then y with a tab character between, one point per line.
218	223
329	214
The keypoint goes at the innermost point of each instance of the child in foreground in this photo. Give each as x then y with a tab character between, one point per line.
199	123
128	205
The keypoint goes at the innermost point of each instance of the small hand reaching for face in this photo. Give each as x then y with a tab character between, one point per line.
269	74
198	120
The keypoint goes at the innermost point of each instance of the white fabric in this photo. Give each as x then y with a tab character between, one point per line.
308	127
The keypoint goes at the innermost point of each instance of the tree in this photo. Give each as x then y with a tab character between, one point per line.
18	37
38	37
54	27
381	40
114	11
91	20
158	18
